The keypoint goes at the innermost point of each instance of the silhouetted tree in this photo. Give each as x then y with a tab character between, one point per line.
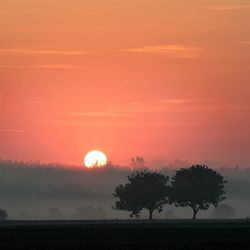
223	211
145	190
3	214
197	187
137	162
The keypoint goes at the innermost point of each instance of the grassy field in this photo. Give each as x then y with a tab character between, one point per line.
176	234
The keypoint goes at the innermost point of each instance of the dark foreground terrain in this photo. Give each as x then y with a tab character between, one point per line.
179	234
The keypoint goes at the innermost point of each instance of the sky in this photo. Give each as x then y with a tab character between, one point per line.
161	79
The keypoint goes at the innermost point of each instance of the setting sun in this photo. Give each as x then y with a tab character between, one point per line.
95	158
115	113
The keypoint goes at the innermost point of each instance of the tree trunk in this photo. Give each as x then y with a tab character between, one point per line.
151	214
195	211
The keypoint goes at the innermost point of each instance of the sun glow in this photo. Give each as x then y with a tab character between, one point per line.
95	158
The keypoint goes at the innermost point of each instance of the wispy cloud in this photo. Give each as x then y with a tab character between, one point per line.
133	108
51	52
22	131
136	113
43	66
228	7
104	113
174	50
244	42
162	106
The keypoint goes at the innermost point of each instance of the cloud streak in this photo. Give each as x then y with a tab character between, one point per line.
45	52
243	42
228	7
163	105
174	50
43	66
22	131
133	114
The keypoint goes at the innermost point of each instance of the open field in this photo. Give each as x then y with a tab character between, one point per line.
177	234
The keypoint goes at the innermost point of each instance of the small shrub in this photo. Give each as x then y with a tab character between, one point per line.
3	214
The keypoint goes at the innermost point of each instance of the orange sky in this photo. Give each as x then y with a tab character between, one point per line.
157	78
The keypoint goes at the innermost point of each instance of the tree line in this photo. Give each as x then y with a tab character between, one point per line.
196	187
